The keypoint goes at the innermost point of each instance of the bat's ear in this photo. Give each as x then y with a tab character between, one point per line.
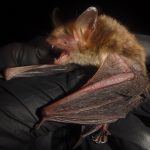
85	24
56	17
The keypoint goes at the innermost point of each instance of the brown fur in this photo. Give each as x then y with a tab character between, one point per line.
91	43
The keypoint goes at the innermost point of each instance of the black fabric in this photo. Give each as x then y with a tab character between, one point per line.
22	99
33	52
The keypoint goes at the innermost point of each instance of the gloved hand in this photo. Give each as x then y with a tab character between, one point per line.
33	52
22	99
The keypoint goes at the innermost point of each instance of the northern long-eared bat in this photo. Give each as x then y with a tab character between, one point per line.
115	89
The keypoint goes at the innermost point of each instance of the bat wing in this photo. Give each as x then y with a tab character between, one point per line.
36	70
110	94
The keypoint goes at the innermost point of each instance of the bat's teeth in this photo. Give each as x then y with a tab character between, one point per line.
53	46
55	61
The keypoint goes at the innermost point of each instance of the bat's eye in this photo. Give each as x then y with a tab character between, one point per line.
65	42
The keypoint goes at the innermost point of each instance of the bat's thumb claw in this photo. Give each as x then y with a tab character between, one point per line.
38	125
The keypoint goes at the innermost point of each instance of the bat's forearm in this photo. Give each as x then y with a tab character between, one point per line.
36	70
9	73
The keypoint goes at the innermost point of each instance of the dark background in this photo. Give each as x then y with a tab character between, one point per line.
23	20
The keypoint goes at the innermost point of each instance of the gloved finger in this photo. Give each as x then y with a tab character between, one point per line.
133	131
20	54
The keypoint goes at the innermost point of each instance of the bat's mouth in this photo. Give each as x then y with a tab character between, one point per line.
60	55
62	58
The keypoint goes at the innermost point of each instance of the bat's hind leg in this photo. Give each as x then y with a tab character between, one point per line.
101	135
99	132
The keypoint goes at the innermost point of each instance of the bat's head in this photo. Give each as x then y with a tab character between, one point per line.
74	39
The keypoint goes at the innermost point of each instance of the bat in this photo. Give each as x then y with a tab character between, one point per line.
117	86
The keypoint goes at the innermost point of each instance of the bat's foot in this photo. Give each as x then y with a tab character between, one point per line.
101	136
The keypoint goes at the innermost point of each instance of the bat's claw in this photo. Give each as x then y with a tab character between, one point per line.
101	136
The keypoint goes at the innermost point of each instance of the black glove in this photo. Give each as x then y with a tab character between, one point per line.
33	52
22	99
